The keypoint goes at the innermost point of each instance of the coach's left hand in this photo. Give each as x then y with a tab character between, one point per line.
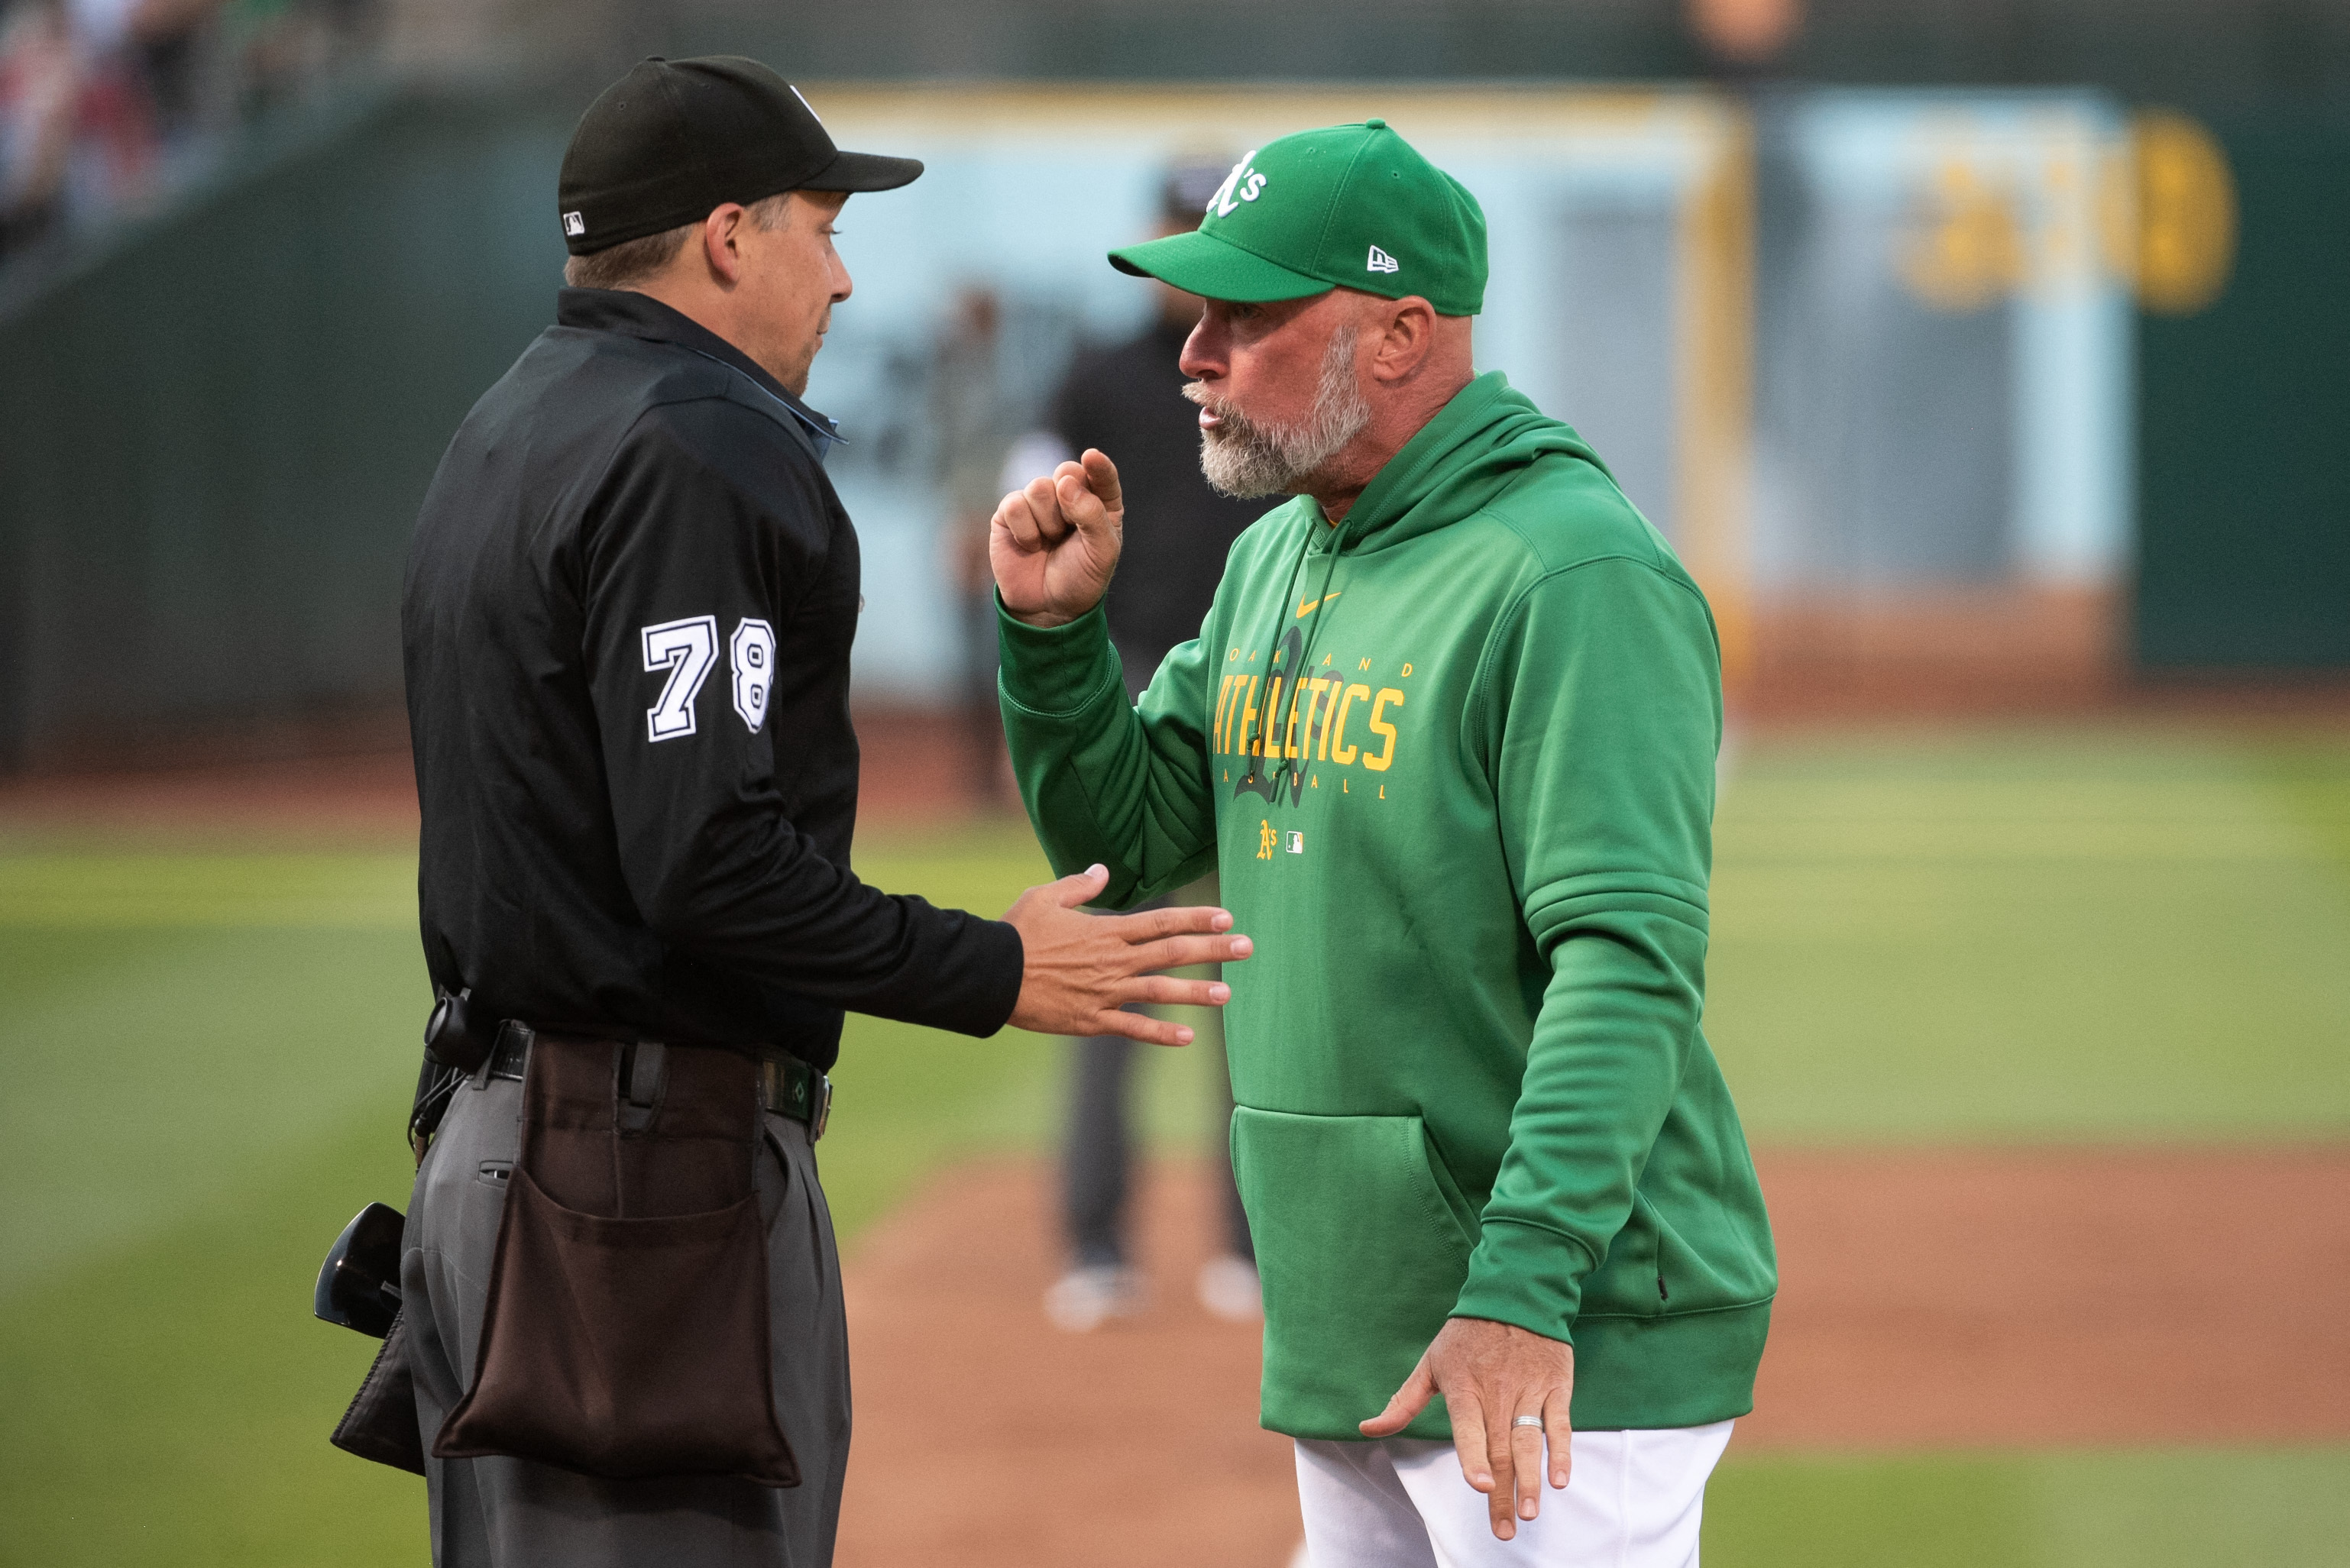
1054	544
1489	1374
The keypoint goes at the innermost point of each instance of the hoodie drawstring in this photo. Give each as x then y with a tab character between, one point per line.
1290	773
1272	644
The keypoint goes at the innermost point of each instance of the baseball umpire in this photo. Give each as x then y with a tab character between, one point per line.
626	625
1449	733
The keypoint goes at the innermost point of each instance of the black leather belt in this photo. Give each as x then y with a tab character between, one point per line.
788	1086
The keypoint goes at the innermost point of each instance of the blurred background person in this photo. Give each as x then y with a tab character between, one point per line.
41	88
105	104
1128	397
973	427
166	51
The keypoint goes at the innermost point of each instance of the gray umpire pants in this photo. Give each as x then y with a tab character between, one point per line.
514	1513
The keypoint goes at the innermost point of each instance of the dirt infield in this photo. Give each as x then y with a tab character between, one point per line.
369	796
910	777
985	1437
1929	1300
2119	1297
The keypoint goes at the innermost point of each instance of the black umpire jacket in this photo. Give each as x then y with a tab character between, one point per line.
626	626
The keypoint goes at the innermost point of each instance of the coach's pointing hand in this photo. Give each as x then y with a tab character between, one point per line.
1054	544
1082	969
1490	1373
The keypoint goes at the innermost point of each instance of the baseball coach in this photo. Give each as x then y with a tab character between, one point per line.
627	624
1448	733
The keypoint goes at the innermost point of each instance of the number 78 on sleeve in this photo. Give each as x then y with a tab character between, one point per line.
686	649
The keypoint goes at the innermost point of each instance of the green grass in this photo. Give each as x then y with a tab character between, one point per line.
209	1056
2177	1508
2033	936
208	1050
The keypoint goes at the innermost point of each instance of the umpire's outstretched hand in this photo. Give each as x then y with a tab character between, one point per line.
1054	544
1490	1373
1082	969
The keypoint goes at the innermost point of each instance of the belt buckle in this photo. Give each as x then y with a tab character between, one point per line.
819	1104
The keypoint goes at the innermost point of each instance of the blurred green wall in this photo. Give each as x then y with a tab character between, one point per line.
215	432
2244	421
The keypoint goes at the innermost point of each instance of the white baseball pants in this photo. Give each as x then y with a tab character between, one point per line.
1633	1500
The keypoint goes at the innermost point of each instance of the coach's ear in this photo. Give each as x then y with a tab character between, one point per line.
1406	337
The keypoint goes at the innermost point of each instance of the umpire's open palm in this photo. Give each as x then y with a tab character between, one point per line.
1055	544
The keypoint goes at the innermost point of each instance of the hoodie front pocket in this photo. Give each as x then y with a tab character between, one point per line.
1362	1257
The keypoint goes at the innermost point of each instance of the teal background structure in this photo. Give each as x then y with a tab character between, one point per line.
2243	465
220	421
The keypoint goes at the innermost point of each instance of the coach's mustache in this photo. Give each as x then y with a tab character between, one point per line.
1231	424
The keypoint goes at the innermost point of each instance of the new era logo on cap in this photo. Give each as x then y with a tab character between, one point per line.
574	224
1382	261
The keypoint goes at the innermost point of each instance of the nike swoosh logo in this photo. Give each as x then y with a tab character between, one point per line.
1307	607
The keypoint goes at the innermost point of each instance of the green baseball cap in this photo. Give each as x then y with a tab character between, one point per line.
1351	204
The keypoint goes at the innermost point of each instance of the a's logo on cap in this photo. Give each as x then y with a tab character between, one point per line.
574	224
1382	261
1243	183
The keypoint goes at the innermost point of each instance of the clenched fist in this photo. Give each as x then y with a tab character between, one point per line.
1055	544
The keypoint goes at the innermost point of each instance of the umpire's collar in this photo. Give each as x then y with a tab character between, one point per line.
635	315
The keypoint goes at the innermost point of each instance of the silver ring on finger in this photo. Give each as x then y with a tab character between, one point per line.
1526	1421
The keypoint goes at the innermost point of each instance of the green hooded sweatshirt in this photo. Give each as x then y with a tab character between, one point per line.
1454	760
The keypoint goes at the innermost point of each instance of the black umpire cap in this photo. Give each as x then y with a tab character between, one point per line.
664	145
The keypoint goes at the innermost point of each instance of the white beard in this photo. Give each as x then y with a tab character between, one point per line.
1244	459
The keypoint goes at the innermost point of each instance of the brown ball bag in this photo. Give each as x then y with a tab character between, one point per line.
626	1331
